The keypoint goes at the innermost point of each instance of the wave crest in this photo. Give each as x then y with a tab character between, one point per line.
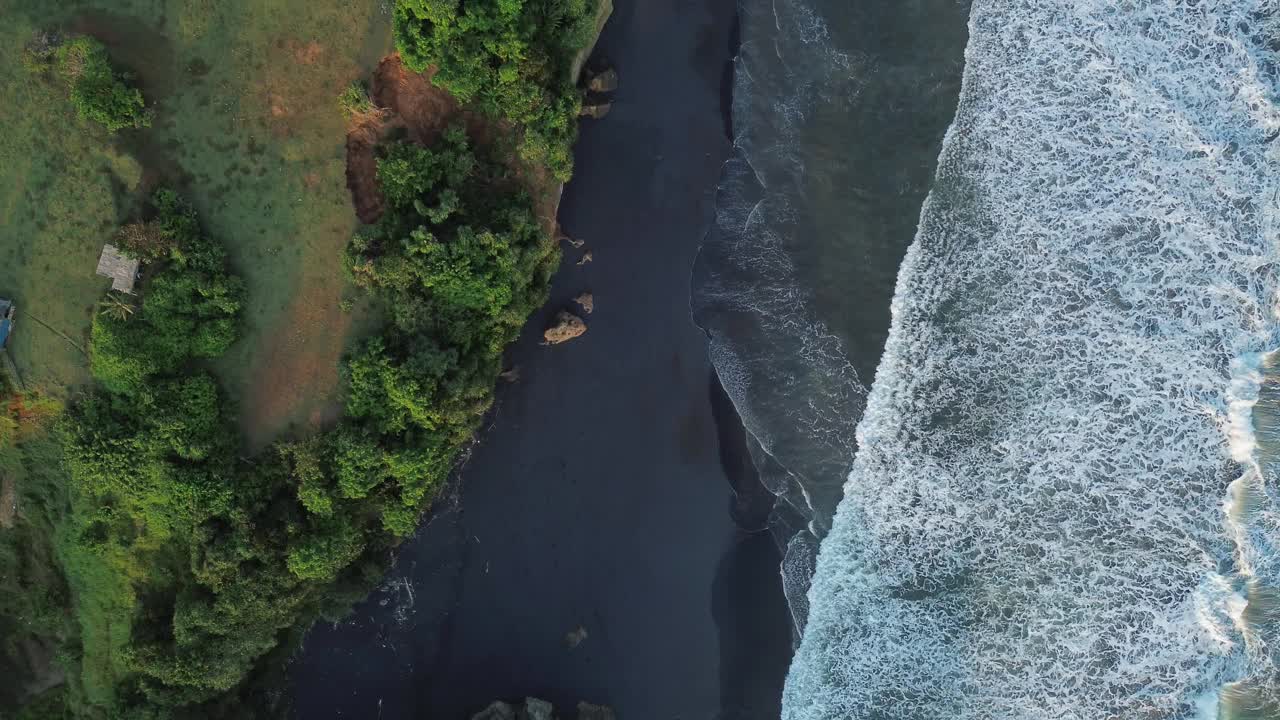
1034	526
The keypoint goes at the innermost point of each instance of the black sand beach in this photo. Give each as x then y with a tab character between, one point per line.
600	497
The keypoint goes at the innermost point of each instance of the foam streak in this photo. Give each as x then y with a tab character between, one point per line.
1034	526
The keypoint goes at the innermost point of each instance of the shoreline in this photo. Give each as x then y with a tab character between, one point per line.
603	493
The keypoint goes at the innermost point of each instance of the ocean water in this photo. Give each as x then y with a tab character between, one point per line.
1063	502
839	110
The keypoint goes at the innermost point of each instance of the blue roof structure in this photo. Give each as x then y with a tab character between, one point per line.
6	321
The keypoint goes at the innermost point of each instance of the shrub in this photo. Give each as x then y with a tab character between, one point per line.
356	104
145	241
98	92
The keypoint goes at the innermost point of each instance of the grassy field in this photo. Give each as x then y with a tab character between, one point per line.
247	126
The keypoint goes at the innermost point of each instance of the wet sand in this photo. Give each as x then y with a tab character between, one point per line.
601	495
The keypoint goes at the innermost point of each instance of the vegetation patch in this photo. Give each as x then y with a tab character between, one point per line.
35	617
173	566
99	93
356	104
191	565
188	564
510	59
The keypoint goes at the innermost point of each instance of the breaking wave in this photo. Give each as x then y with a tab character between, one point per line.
1064	503
784	368
794	284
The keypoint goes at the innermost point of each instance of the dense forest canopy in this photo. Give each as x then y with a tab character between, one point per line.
510	58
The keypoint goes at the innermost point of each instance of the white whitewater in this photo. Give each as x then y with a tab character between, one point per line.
1057	510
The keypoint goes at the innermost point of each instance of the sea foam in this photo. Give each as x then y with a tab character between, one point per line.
831	99
1057	509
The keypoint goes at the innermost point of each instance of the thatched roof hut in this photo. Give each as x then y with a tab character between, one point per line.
122	270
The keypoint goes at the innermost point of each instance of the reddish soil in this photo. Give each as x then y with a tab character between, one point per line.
306	53
409	101
418	105
362	171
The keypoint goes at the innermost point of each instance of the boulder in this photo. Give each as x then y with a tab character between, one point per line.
596	111
535	709
587	302
574	638
496	711
604	82
566	327
587	711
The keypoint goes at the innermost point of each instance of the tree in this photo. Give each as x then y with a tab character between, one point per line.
510	58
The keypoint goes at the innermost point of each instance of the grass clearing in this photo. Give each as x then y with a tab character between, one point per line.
247	126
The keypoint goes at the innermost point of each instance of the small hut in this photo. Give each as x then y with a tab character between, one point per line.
122	270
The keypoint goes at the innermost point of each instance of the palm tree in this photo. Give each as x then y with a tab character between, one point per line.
117	306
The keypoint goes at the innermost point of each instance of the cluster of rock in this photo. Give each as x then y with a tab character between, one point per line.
598	98
598	87
564	328
535	709
567	326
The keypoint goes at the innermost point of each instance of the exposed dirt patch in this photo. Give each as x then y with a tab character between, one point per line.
307	53
278	108
413	101
298	365
362	171
297	87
